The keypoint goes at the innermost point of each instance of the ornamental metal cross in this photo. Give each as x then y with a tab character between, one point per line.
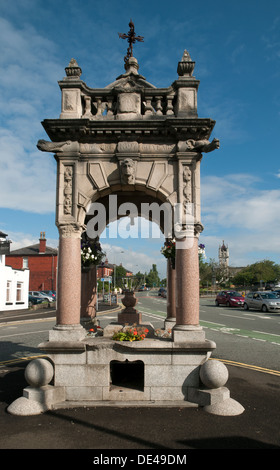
131	39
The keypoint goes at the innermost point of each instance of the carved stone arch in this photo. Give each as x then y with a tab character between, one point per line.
150	204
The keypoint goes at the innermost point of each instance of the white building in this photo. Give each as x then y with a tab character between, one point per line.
14	283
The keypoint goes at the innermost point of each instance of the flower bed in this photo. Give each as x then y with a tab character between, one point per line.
131	333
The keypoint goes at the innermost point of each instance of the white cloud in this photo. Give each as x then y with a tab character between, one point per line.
134	260
237	209
28	82
22	239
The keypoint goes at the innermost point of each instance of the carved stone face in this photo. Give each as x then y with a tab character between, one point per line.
128	171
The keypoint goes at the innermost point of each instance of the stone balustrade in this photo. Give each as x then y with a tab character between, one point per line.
129	97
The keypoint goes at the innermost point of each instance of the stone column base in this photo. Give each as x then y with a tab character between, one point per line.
67	333
186	333
169	323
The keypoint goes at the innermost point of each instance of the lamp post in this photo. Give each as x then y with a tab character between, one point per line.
115	266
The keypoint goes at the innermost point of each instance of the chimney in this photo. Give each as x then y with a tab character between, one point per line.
42	241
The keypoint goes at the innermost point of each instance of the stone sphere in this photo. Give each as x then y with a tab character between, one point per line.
213	374
39	372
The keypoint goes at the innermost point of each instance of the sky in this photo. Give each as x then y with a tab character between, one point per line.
236	48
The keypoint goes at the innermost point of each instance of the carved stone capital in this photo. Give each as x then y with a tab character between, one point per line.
72	230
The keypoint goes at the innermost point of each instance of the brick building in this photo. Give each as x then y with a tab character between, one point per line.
41	261
106	269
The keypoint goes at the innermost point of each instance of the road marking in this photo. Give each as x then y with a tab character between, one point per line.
28	314
249	366
153	313
236	316
265	333
157	317
258	316
23	322
20	359
243	333
213	323
22	334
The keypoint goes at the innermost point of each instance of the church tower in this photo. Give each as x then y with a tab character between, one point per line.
223	256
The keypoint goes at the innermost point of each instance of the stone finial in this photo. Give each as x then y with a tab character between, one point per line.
185	66
73	70
131	66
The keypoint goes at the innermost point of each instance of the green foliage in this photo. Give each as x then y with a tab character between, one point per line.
119	275
265	270
152	278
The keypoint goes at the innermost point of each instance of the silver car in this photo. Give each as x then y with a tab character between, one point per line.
42	296
264	301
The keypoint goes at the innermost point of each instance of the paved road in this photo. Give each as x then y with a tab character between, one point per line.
241	337
117	431
131	432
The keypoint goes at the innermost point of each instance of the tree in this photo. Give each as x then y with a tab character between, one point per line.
119	274
139	279
265	271
152	278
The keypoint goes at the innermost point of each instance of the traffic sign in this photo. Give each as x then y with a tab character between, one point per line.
106	279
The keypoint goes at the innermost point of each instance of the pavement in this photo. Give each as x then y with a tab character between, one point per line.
100	434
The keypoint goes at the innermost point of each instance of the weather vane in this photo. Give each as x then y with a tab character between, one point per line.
131	39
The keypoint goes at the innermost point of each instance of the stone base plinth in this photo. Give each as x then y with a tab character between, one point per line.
129	318
67	333
187	333
169	323
156	370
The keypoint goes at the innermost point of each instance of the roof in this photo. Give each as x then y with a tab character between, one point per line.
33	250
111	266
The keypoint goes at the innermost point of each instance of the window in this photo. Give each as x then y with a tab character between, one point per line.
24	263
8	291
19	291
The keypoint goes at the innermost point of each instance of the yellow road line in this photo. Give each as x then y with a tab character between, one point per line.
249	366
20	359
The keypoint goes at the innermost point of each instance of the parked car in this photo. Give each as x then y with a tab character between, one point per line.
162	292
34	300
42	296
229	298
50	293
276	292
264	301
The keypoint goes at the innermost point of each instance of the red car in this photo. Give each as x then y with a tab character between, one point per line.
229	298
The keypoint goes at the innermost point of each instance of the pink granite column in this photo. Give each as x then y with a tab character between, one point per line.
88	295
187	292
68	286
170	320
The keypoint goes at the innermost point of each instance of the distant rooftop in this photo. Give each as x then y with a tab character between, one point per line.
33	250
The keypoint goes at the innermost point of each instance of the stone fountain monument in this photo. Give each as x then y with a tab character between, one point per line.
142	144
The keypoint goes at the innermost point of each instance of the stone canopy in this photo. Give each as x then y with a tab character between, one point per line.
128	138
